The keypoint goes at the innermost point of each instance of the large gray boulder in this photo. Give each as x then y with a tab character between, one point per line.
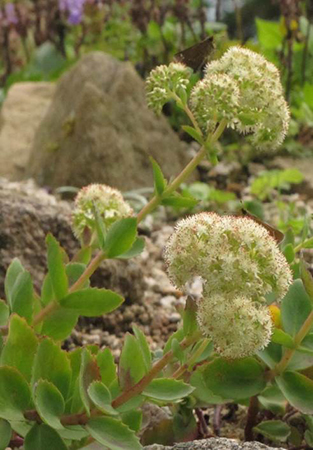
99	129
23	109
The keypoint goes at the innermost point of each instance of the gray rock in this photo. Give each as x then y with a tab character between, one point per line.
213	444
22	111
99	129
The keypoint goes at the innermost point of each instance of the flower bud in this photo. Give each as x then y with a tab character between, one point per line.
237	327
164	81
108	202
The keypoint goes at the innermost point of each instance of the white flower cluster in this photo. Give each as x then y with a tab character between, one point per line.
108	202
258	108
213	99
237	326
163	81
239	262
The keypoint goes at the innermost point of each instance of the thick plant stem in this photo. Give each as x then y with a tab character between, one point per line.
140	386
251	418
156	200
281	366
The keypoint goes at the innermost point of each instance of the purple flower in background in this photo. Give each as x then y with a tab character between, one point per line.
75	8
10	13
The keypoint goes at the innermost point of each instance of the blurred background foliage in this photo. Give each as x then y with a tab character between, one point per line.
40	39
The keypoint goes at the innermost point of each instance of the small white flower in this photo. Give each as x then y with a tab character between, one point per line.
108	202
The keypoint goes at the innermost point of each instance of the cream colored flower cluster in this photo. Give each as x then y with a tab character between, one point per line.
213	99
259	108
163	81
108	202
239	262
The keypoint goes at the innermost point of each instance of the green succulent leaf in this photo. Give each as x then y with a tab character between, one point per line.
235	379
132	363
189	317
74	272
282	338
298	390
132	419
121	237
89	372
273	400
91	302
160	182
167	389
15	396
193	133
5	434
4	313
100	227
43	437
136	249
203	395
107	367
307	279
47	293
14	269
52	364
59	324
276	430
56	267
296	306
49	403
101	397
179	201
22	296
113	434
21	346
144	346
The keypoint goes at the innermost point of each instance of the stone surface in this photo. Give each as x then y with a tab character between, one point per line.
99	129
22	111
213	444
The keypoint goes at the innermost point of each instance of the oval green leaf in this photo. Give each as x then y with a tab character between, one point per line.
21	346
56	267
235	379
276	430
92	302
298	390
121	237
5	433
168	389
49	403
15	396
43	437
101	397
113	433
296	306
